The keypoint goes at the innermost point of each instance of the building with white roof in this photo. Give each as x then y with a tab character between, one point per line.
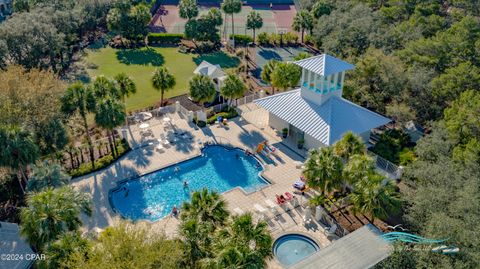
316	113
215	72
12	244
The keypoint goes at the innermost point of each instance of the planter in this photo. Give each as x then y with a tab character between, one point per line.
300	144
284	132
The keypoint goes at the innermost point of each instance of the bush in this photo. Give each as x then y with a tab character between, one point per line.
164	38
228	113
406	156
308	39
290	38
86	168
207	47
391	143
242	39
262	38
274	39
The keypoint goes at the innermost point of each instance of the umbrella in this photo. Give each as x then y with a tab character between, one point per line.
144	125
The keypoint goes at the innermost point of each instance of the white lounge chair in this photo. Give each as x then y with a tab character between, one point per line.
273	206
159	147
307	217
261	211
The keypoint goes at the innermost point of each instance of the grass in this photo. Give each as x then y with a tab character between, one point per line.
139	64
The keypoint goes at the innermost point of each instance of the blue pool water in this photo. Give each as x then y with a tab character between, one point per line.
153	196
292	248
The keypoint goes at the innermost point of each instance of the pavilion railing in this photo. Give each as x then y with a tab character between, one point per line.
390	169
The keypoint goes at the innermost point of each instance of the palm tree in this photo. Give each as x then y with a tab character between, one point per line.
187	9
232	7
302	21
233	88
349	145
285	75
103	87
125	86
376	196
110	114
202	89
323	169
207	207
80	99
197	240
18	149
60	251
45	174
357	167
243	244
254	22
162	81
51	213
267	72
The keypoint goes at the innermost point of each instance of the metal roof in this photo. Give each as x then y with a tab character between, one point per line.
12	243
208	69
327	122
361	249
324	65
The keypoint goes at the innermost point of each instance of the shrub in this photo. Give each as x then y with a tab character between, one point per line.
206	47
262	38
290	38
406	156
242	39
164	38
228	113
308	39
274	39
86	168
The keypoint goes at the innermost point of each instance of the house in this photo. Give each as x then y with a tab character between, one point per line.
12	244
6	8
316	113
215	72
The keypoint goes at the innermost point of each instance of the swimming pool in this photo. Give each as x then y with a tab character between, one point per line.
292	248
152	196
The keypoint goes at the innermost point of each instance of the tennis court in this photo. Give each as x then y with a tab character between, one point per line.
283	54
278	17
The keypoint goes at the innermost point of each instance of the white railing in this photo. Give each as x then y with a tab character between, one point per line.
390	169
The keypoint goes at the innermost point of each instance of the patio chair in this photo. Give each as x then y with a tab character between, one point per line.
261	211
288	196
331	231
159	147
273	206
307	218
280	199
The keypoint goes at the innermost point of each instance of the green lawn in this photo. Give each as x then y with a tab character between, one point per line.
140	63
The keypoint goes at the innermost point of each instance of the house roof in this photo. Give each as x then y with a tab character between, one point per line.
361	249
327	122
12	243
324	65
207	69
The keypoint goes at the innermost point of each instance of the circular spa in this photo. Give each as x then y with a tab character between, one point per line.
292	248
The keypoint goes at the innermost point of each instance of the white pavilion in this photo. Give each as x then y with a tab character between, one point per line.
316	112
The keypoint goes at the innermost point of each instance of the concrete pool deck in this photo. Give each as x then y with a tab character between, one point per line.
243	132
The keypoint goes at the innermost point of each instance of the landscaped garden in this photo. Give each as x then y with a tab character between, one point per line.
140	63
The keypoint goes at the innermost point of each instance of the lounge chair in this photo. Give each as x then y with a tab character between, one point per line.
159	147
288	196
261	211
280	200
307	218
273	206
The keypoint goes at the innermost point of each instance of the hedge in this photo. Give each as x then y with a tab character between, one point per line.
164	38
242	39
86	168
228	114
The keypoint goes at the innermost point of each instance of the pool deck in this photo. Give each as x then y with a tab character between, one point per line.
243	132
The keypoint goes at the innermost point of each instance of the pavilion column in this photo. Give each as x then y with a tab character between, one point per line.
315	82
342	80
